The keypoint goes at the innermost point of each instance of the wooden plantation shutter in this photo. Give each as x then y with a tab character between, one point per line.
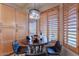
70	26
53	24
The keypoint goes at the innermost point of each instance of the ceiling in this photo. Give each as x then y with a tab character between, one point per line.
39	6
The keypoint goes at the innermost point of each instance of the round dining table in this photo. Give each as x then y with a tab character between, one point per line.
36	49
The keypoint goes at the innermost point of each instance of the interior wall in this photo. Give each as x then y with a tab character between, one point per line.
13	26
38	27
61	22
43	23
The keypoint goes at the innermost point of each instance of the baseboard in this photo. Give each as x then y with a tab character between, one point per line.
9	54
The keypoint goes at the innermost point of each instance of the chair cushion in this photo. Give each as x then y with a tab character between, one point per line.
51	51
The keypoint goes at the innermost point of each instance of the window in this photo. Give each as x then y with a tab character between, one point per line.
53	25
32	28
70	25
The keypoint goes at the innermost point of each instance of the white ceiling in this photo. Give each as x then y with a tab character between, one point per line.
39	6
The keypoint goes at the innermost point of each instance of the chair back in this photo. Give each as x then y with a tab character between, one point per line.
15	46
58	46
27	38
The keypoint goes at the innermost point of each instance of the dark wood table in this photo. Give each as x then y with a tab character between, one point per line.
36	49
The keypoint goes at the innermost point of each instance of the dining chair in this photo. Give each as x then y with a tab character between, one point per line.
54	50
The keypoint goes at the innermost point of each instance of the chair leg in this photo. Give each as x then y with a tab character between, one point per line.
16	54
